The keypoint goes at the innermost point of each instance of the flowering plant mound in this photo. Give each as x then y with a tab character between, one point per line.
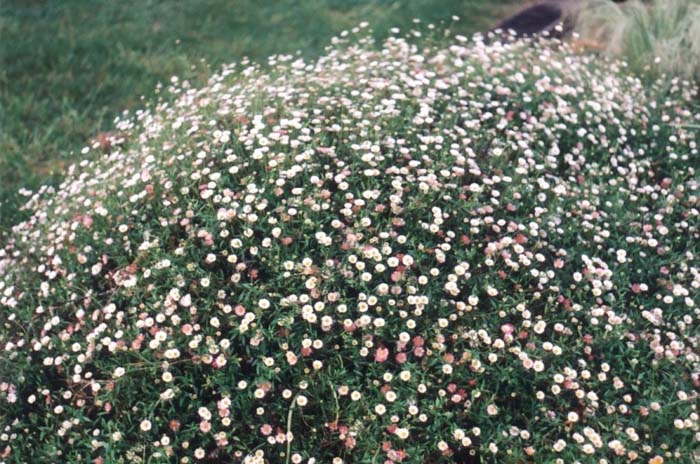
403	253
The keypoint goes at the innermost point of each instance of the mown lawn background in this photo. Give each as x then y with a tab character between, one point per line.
68	67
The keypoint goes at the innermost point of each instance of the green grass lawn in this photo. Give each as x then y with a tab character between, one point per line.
69	67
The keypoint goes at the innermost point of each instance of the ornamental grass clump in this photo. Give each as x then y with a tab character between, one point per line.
657	38
406	253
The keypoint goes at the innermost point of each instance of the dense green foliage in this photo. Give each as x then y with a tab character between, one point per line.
404	253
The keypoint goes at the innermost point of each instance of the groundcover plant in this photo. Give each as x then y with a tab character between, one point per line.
397	253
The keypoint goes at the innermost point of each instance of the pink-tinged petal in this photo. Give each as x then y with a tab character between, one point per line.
381	354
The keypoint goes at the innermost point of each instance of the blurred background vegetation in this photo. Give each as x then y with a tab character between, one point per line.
658	38
68	67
